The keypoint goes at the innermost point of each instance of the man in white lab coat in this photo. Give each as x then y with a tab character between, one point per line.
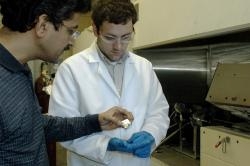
107	75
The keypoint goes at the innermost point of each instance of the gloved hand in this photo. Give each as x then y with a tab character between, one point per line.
116	144
141	143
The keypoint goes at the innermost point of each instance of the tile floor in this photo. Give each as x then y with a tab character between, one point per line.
164	156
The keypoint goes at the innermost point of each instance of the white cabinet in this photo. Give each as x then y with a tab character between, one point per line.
167	21
224	147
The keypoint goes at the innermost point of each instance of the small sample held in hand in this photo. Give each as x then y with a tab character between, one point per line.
125	123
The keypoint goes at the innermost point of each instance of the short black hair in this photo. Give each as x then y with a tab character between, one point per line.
113	11
21	15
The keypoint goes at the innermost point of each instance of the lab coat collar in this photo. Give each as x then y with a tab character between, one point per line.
93	57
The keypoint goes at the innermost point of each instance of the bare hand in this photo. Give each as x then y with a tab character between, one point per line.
111	119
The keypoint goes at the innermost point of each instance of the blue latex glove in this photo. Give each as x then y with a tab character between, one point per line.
116	144
141	143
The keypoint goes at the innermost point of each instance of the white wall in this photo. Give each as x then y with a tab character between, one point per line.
0	20
35	68
84	40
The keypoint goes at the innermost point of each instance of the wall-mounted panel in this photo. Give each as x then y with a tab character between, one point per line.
168	21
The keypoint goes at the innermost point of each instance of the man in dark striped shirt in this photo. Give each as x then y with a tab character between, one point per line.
38	29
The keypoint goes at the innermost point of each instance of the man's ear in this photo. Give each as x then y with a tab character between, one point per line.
95	30
42	25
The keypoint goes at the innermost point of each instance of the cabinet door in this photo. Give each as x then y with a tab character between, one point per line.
168	21
234	151
207	160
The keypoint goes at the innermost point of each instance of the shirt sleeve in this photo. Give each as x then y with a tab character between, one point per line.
63	129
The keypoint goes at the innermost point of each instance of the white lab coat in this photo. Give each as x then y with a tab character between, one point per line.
84	86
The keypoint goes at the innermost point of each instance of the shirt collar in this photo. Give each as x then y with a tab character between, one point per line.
8	61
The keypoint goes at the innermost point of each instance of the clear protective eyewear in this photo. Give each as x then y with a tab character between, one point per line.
74	34
109	39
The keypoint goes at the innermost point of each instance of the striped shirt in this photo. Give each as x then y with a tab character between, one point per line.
23	129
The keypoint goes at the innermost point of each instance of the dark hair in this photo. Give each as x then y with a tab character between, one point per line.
113	11
21	15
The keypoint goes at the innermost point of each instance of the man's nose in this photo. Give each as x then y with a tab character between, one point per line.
118	44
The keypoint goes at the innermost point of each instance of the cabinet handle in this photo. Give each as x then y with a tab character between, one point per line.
218	144
224	142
